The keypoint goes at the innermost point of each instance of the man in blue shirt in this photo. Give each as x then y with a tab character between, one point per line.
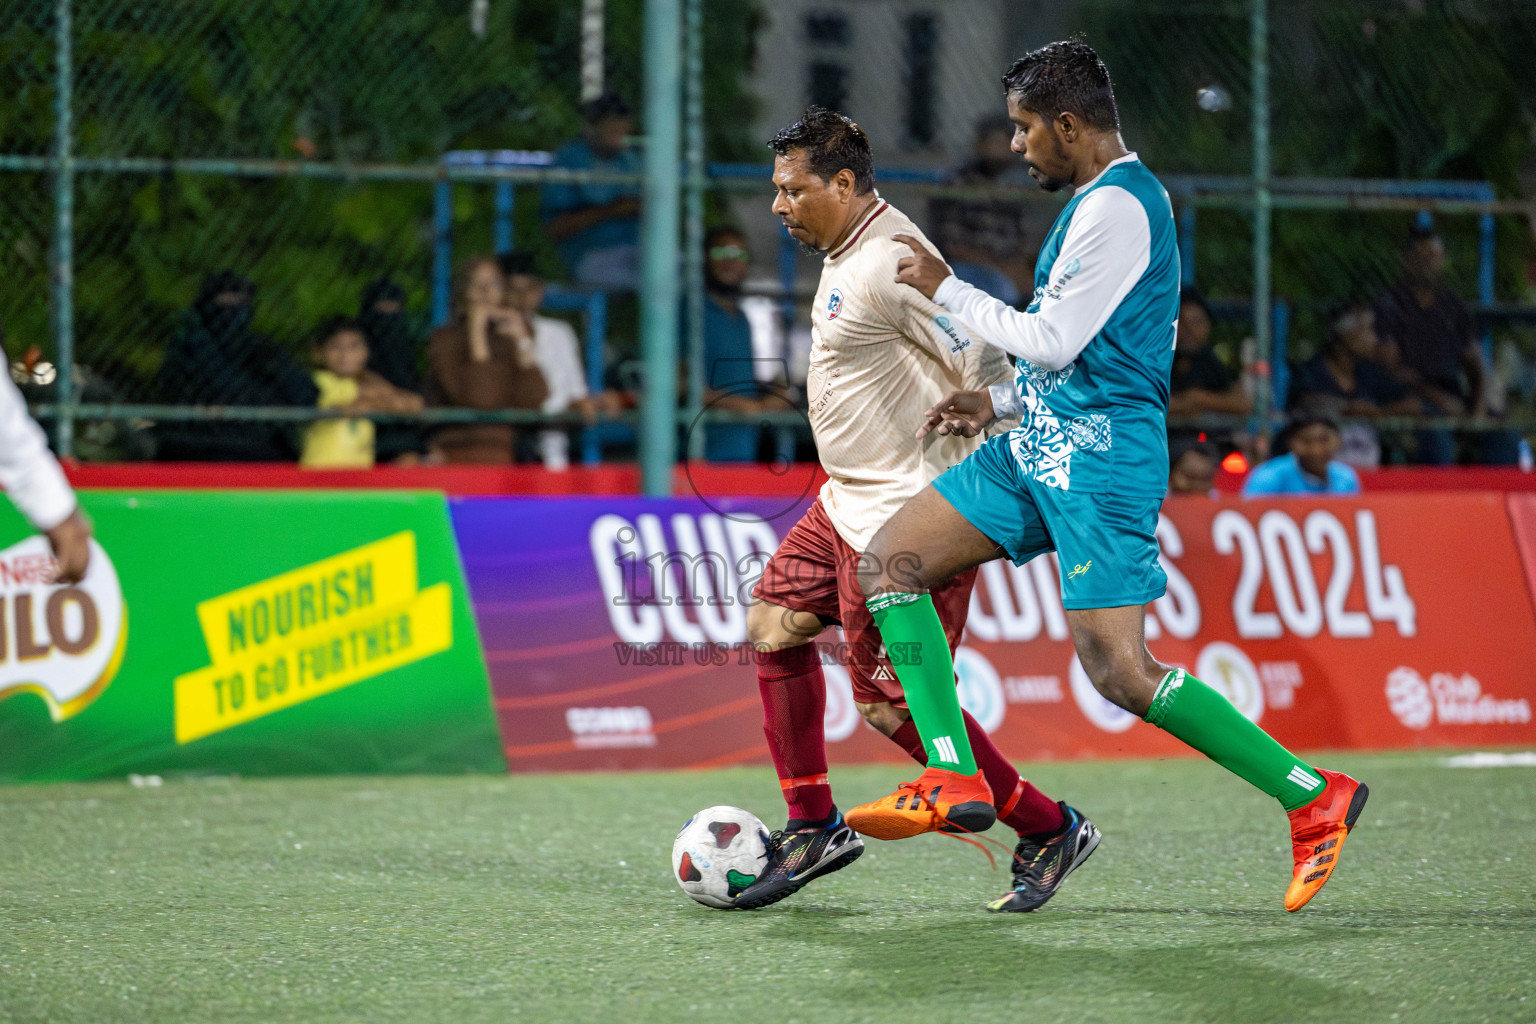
730	378
1084	475
596	228
1309	467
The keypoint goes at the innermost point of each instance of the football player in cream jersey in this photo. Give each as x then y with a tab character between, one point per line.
882	355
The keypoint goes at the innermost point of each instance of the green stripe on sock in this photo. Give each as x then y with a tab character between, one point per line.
1187	708
927	674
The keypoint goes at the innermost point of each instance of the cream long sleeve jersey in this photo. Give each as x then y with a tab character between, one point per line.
881	356
28	471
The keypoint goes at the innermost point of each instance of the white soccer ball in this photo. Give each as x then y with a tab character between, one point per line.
719	852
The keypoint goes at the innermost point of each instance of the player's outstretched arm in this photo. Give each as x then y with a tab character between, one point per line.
1104	252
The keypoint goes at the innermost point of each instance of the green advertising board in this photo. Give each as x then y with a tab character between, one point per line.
249	632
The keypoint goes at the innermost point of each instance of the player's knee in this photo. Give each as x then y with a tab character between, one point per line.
885	717
1118	680
772	627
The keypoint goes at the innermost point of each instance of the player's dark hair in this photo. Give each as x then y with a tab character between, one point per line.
1065	77
831	143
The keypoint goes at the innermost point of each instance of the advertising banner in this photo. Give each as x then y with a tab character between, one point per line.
249	633
614	630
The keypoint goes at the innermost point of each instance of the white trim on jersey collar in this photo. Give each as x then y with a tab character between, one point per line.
1095	179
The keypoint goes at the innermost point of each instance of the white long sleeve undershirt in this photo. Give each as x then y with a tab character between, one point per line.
1107	248
29	473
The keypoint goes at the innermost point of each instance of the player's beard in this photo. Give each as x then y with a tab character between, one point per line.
1044	180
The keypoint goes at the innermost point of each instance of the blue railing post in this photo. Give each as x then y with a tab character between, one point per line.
659	216
64	227
1187	245
442	252
501	226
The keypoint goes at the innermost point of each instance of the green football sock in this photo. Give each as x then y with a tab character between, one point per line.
927	674
1190	710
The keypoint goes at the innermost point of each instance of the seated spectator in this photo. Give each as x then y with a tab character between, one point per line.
1312	441
483	359
1428	343
1426	331
341	353
394	353
596	228
1345	380
1201	382
730	377
986	241
558	354
1192	470
216	359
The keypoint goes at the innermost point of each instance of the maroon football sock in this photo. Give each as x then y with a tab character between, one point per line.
794	703
1020	805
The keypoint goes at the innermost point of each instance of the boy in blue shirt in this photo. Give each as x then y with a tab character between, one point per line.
1310	468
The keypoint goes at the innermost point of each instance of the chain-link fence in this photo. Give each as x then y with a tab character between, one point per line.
315	147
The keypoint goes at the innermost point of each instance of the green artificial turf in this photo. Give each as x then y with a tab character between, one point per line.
550	898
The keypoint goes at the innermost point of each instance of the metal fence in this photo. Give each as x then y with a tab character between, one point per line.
316	146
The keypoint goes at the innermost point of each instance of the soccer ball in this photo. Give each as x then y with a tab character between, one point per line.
718	853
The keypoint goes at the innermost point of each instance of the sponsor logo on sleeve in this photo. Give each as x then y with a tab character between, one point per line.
1069	270
959	340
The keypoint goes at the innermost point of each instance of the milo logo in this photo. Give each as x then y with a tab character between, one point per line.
61	643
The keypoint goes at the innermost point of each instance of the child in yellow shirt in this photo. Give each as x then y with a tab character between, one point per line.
346	383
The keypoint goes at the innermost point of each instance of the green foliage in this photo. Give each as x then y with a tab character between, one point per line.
1364	88
352	81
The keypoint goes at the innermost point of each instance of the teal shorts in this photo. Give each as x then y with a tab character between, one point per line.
1106	543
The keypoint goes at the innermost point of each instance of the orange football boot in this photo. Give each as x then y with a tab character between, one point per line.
1318	831
939	801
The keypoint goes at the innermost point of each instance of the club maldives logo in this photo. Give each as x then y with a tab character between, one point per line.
1448	699
834	304
61	643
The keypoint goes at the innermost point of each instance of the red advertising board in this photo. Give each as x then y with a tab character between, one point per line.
613	630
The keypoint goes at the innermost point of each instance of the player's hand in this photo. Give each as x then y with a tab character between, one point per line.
71	541
922	270
962	413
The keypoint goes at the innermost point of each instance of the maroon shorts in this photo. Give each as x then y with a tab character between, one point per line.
814	570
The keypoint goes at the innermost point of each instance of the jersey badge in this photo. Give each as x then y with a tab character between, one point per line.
834	304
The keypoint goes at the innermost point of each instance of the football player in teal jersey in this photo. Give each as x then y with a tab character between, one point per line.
1083	475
